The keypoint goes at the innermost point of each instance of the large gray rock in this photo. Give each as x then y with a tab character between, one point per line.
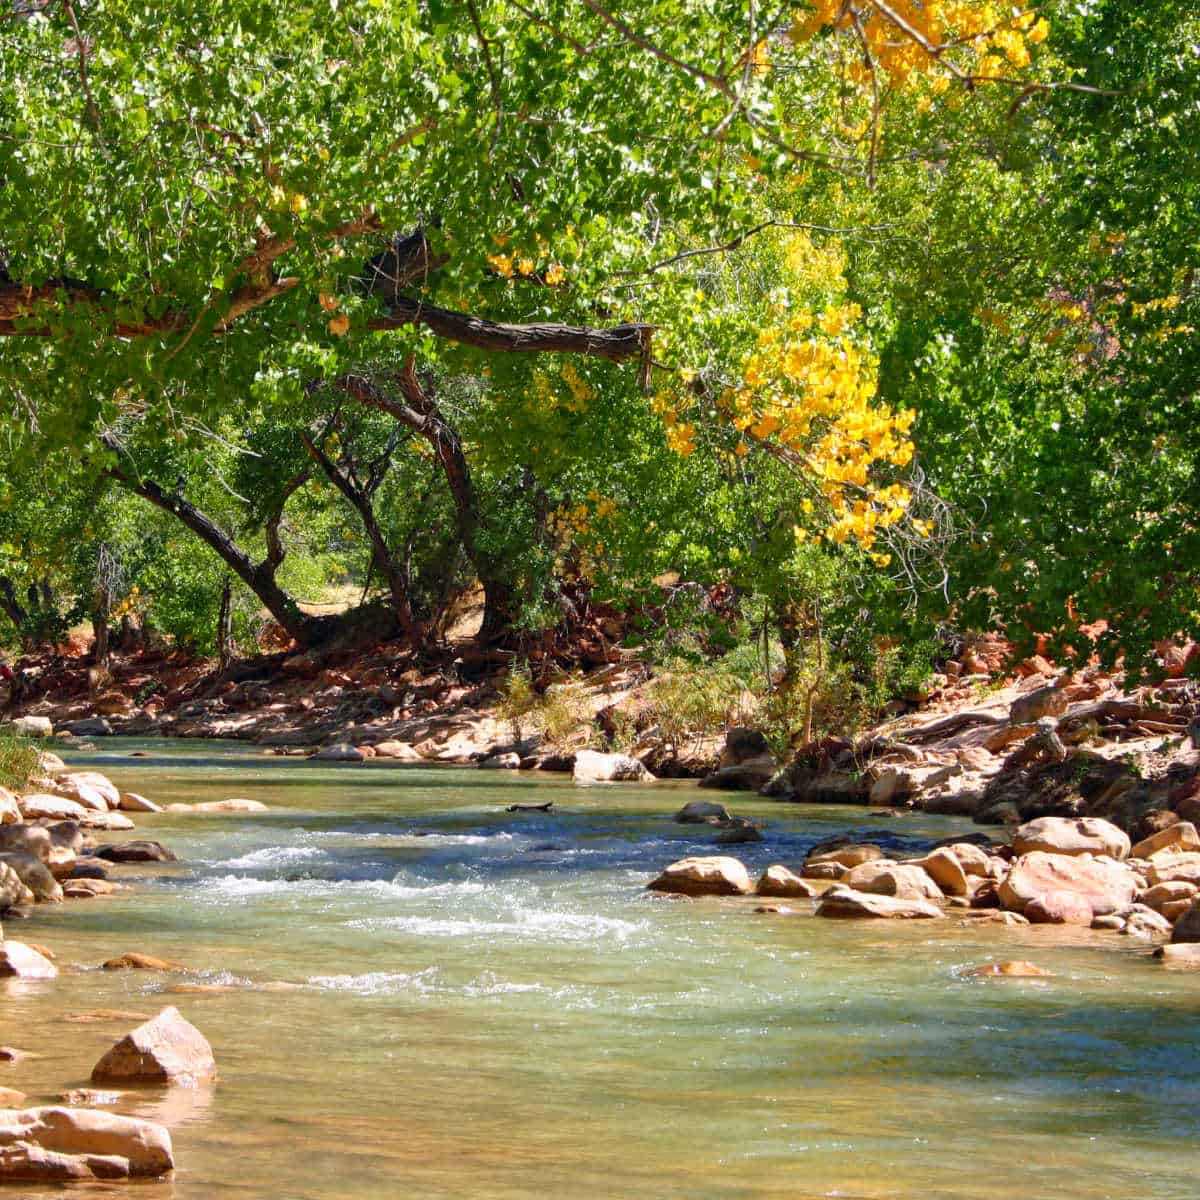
593	767
166	1049
844	902
45	1145
702	812
714	875
88	727
749	775
340	752
1071	835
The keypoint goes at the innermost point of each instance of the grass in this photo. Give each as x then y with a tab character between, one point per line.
18	761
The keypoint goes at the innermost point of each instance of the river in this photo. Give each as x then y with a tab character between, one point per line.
428	996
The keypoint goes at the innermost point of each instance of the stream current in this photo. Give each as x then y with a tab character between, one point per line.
427	996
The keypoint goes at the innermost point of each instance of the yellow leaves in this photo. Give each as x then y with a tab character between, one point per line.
555	274
329	303
298	204
526	266
339	326
890	44
502	264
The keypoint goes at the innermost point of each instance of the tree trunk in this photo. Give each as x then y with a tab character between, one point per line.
106	573
422	415
225	645
258	577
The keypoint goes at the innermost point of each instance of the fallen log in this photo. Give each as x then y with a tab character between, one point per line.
531	807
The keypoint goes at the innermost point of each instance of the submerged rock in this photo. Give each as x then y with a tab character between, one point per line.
715	875
60	1144
737	830
133	961
166	1049
339	752
1011	969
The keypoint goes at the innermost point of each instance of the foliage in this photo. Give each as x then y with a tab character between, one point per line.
19	758
518	700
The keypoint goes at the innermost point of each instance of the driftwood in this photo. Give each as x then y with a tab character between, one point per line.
530	807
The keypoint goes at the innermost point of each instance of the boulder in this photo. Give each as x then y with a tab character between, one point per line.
34	874
743	744
116	822
1071	835
510	761
1059	908
943	867
738	830
166	1049
142	850
88	727
594	767
1179	838
704	876
83	794
1033	706
12	890
847	856
779	881
1142	921
60	1144
400	751
133	961
10	811
1167	868
1012	969
1107	886
886	878
1183	955
1168	893
31	727
42	807
844	902
702	812
235	804
24	962
50	764
824	870
973	859
133	802
747	776
339	752
1187	926
91	780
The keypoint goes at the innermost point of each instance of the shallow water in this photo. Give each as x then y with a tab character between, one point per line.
429	996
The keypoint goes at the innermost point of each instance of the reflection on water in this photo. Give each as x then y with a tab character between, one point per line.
412	991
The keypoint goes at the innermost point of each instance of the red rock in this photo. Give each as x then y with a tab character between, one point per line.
1059	908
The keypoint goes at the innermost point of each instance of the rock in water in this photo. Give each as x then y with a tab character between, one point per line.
51	1144
702	812
594	767
339	752
1071	835
24	962
166	1049
1107	886
133	961
142	850
1013	969
779	881
132	802
843	902
711	876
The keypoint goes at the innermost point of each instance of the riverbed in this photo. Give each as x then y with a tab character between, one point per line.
421	994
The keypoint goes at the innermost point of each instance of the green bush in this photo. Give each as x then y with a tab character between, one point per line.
18	761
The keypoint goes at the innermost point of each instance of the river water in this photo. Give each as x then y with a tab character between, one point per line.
428	996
